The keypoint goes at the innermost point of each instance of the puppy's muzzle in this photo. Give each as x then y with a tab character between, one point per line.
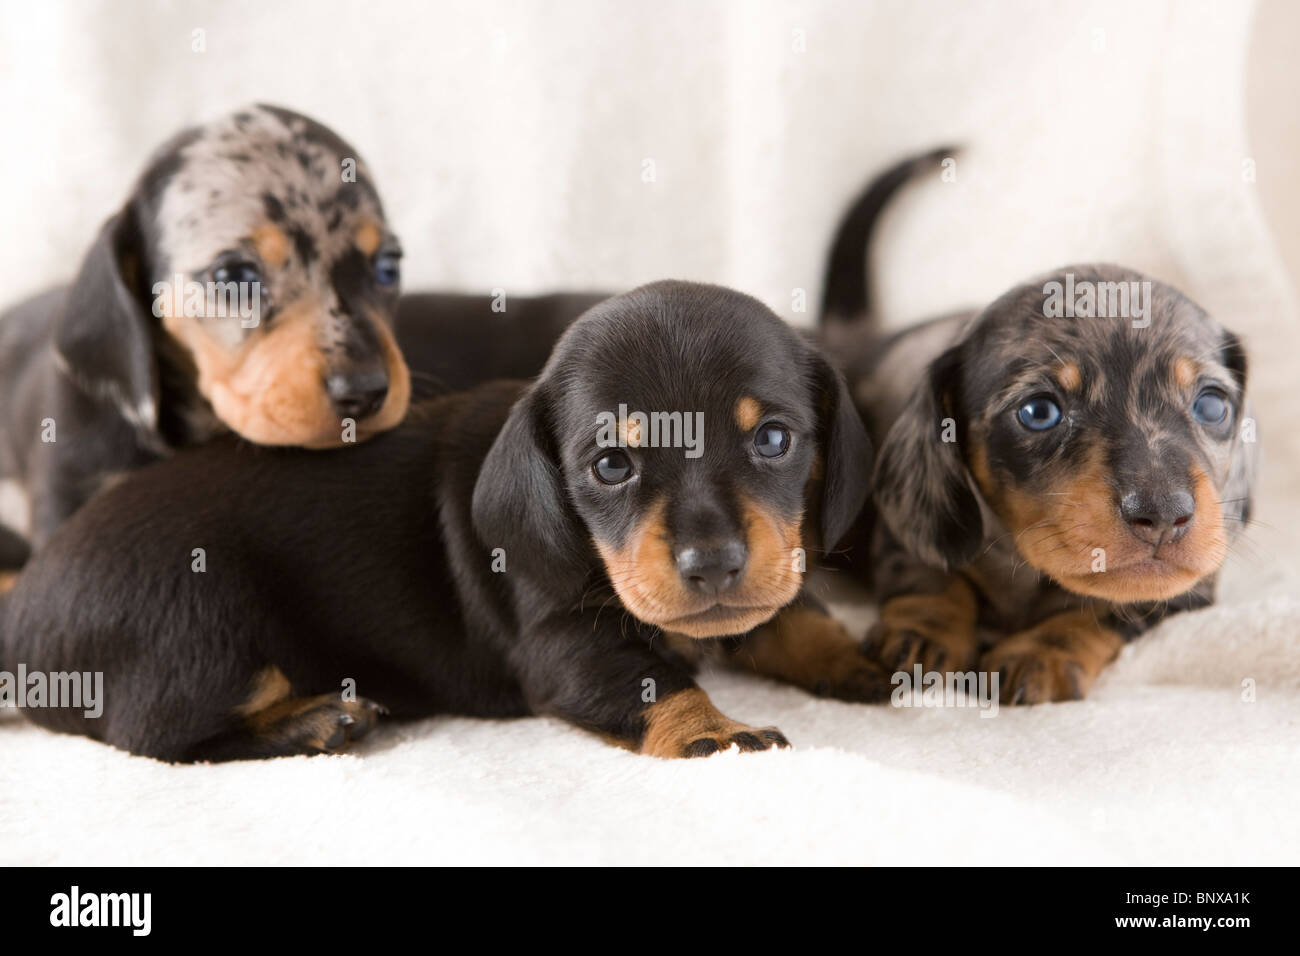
360	391
1158	515
712	570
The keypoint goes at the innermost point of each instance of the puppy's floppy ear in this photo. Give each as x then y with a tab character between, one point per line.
520	503
1233	355
923	489
1239	489
104	334
846	455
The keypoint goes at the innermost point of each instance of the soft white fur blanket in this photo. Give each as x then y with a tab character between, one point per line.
509	141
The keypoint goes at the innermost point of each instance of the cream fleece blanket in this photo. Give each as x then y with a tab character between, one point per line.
511	142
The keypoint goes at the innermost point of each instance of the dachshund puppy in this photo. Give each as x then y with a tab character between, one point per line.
1056	474
558	549
247	285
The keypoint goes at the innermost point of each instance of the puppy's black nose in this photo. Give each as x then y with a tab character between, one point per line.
712	570
1158	517
358	393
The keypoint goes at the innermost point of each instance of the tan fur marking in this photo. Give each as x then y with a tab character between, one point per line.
272	245
747	413
270	686
368	239
1059	533
271	388
645	577
1058	659
1068	376
1185	371
7	581
629	433
676	721
810	649
935	630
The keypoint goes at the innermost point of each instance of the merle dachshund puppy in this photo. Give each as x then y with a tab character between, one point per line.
279	219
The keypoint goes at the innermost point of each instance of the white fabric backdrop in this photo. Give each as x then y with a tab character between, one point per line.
509	141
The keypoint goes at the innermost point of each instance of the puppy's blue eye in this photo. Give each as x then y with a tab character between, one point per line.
388	268
1039	414
771	440
240	271
1210	407
613	468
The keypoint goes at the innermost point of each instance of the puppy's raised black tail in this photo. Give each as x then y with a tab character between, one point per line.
846	296
5	661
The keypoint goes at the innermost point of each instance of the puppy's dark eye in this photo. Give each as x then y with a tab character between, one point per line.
613	468
1039	414
237	270
388	268
1210	407
771	440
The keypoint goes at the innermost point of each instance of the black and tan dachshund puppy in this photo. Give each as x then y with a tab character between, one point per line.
562	549
278	219
1055	474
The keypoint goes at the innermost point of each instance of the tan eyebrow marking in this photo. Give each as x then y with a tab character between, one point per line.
747	413
630	432
272	245
1068	376
368	237
1185	371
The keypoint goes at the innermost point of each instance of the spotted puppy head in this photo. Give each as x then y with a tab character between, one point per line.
682	445
1106	440
249	282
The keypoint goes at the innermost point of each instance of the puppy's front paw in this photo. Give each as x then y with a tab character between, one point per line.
901	648
1036	675
936	631
901	642
1057	660
686	724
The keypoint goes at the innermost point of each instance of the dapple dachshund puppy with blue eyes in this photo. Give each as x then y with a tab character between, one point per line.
498	554
116	370
1053	478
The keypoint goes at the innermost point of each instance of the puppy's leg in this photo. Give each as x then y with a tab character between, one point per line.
803	645
593	675
1056	660
927	616
273	723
